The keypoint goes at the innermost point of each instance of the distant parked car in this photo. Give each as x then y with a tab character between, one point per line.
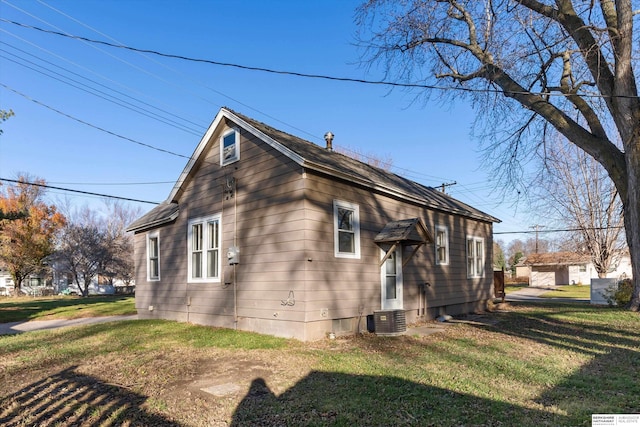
94	289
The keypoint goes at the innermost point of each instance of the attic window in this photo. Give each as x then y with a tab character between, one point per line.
230	147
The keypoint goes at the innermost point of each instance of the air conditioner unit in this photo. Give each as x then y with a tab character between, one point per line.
389	322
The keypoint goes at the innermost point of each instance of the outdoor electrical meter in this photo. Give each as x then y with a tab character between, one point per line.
233	255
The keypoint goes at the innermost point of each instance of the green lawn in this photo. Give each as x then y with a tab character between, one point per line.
67	307
538	364
569	291
566	291
513	288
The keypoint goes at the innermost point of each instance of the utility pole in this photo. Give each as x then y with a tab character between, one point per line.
537	227
444	185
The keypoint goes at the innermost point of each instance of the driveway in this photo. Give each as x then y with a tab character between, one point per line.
38	325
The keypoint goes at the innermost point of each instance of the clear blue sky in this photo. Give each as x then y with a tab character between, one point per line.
429	143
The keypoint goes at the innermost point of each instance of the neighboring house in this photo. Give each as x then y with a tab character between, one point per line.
35	284
51	282
267	232
6	282
567	268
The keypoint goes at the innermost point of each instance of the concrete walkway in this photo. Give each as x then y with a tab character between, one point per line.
38	325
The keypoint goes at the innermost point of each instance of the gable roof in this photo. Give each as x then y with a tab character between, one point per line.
410	231
314	157
556	258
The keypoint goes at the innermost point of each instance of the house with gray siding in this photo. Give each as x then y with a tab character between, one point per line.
266	232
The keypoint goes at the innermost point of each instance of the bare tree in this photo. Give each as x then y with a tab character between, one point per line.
81	253
372	159
577	189
119	264
517	249
95	244
532	69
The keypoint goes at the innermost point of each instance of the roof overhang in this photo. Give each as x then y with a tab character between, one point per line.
161	214
405	232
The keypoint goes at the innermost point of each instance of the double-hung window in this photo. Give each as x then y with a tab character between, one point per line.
153	256
230	147
346	220
475	256
442	245
204	249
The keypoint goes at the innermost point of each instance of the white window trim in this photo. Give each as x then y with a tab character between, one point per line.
155	234
356	228
203	220
446	245
473	273
236	131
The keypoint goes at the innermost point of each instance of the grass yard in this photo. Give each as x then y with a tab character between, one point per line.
15	309
513	288
569	291
532	365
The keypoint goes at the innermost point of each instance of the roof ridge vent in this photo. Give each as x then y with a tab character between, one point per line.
329	138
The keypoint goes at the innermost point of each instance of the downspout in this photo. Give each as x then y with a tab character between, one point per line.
235	243
424	290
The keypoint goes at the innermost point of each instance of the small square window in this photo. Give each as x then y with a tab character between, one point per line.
230	147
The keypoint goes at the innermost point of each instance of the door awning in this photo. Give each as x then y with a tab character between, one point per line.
405	232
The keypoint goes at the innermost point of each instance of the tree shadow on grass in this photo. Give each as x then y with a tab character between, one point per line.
70	398
608	383
329	398
32	308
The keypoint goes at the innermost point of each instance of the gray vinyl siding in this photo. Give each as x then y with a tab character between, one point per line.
346	285
281	218
268	227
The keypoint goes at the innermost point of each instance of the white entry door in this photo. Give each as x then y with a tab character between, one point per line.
391	277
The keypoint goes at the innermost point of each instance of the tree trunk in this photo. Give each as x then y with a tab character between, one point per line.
17	283
632	214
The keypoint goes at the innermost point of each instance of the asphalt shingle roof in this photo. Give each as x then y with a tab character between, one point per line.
334	164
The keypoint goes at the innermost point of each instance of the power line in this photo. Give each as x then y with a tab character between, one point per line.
90	71
114	183
77	191
558	230
100	93
405	171
91	125
295	73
